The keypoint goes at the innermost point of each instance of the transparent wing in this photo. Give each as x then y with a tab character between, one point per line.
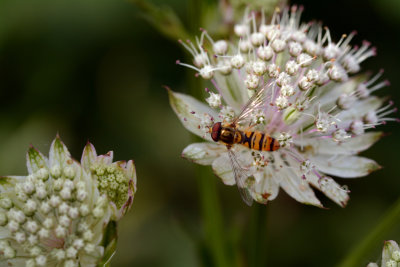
240	175
256	102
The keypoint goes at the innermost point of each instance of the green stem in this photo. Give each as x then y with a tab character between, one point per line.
258	236
212	216
361	252
215	238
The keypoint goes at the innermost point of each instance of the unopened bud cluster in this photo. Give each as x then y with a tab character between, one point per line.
57	215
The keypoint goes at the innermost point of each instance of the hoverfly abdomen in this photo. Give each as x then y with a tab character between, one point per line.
270	144
259	141
255	140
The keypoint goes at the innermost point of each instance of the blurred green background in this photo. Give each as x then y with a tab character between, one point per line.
94	70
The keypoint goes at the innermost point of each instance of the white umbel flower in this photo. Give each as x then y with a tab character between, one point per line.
43	229
390	255
313	104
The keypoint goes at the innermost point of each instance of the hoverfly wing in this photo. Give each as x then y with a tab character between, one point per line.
240	175
257	101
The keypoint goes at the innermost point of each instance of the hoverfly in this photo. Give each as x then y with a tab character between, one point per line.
230	135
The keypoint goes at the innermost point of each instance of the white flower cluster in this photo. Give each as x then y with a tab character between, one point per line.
57	215
390	255
313	103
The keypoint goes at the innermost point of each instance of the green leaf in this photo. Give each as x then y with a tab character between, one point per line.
109	243
163	19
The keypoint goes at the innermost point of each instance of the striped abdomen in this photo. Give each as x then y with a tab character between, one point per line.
256	140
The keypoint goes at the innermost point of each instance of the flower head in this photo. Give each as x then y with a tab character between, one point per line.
310	100
390	255
61	214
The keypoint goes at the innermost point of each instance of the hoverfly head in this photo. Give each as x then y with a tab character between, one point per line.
216	131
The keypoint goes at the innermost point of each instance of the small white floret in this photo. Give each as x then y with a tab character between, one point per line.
265	52
20	237
396	255
55	201
281	102
32	226
220	47
55	171
66	193
206	72
214	100
237	61
42	174
73	213
84	210
45	207
251	81
69	172
6	203
13	226
48	223
60	231
33	240
64	220
9	252
71	252
41	260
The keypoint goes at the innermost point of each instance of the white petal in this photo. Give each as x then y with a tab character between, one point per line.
223	169
59	154
130	171
344	166
290	179
352	146
388	248
189	111
203	153
267	189
360	108
88	156
232	89
297	188
334	192
7	183
35	160
105	159
332	91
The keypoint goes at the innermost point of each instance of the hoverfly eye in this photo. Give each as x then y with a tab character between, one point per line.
216	131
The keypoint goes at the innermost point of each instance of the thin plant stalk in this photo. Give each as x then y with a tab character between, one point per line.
212	217
257	236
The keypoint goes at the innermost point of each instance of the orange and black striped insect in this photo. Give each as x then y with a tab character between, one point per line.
230	135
